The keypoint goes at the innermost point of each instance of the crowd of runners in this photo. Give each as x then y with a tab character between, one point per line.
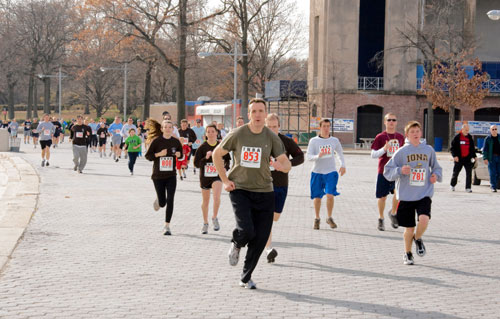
252	163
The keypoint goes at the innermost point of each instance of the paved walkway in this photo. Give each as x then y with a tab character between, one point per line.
94	249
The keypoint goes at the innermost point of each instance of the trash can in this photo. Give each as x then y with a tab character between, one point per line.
15	144
480	143
438	144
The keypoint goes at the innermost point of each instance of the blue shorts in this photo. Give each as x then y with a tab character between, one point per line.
279	198
384	187
322	184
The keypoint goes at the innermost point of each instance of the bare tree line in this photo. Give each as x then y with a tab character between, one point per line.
158	39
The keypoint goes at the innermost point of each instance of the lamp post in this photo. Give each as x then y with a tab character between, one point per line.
493	14
235	56
59	76
125	73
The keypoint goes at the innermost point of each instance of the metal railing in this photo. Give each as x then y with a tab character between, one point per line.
370	83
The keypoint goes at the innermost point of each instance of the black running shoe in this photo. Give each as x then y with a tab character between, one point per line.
394	220
271	255
408	258
381	226
420	248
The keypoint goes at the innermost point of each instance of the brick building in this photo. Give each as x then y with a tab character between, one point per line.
346	34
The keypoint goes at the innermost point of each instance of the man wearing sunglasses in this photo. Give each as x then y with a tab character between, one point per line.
384	146
491	156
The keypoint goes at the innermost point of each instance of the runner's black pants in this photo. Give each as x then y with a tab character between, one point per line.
457	167
253	212
165	191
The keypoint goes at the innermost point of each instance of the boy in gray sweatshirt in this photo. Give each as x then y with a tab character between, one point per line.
415	169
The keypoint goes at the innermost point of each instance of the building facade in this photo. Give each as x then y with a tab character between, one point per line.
345	35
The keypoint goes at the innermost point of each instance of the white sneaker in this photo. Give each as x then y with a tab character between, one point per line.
156	205
249	285
204	229
468	190
233	254
452	188
215	221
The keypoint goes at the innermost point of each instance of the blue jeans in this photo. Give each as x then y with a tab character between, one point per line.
494	169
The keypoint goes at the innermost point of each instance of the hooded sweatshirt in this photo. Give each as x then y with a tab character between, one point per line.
423	163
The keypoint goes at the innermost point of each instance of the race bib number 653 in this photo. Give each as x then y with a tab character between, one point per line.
250	156
417	176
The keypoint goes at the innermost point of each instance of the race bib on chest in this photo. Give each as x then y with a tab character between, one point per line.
250	156
393	147
79	134
210	170
117	131
325	150
417	176
94	132
166	164
46	132
103	135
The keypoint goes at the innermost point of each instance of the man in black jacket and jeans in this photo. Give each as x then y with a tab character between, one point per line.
463	151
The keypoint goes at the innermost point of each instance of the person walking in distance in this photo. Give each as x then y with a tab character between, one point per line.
280	179
116	138
133	143
26	131
163	152
34	133
209	178
464	153
46	130
102	134
199	131
324	176
93	137
79	135
250	185
383	147
415	169
491	157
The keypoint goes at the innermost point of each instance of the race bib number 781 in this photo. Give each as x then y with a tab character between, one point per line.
417	176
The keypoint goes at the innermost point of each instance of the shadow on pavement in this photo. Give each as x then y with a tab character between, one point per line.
401	238
211	237
363	307
300	245
363	273
460	272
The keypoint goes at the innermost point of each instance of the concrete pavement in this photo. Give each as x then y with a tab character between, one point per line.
94	249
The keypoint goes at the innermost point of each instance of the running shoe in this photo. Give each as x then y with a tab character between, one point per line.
47	163
233	254
271	255
215	221
408	258
116	160
131	173
330	222
316	223
420	248
166	231
493	190
468	190
156	205
249	285
394	220
381	226
452	188
204	229
184	174
43	163
181	177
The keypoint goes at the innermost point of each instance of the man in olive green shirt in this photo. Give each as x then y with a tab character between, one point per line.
250	185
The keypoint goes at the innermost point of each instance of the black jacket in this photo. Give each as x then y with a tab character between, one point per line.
456	150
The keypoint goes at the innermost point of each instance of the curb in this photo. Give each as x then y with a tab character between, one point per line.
19	203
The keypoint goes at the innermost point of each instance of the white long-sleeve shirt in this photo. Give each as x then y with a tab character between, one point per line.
325	164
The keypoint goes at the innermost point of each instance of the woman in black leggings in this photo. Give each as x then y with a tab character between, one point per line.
164	151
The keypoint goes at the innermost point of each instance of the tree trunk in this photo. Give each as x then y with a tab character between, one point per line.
35	98
244	76
11	87
46	95
147	92
451	125
181	72
30	93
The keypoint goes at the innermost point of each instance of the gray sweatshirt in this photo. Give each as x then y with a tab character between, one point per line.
46	130
423	163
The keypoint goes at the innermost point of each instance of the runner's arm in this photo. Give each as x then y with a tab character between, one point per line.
378	153
392	170
284	162
217	155
340	153
296	153
311	151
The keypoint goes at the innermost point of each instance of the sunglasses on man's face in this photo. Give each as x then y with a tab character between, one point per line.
391	120
493	129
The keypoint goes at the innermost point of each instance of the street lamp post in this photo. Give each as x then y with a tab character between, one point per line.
59	76
125	75
235	56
